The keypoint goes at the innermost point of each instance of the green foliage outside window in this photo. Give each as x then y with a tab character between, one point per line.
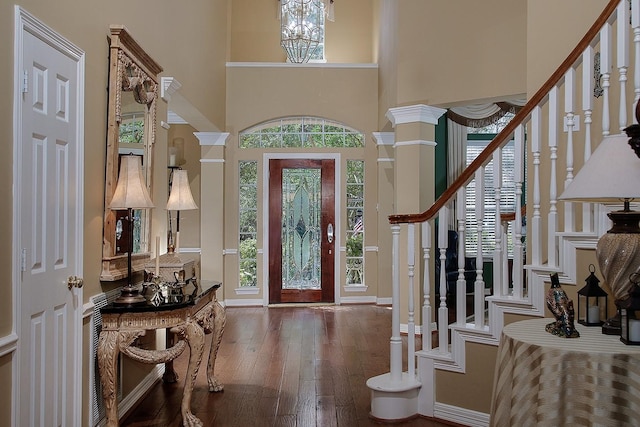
248	222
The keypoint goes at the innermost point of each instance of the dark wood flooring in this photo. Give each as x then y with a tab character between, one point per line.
285	366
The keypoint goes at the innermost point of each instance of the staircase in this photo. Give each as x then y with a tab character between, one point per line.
556	130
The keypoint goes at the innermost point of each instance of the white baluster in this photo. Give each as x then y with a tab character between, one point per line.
518	176
426	287
411	323
500	260
605	70
622	57
536	247
461	283
569	95
395	353
479	282
552	217
587	107
443	311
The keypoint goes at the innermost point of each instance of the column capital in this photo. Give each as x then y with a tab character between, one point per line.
212	138
168	86
384	138
414	114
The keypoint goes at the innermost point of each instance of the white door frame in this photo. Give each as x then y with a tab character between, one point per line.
265	210
27	23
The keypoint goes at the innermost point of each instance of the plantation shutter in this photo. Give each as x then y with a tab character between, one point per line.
507	198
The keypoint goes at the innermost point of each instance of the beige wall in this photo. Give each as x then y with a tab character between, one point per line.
552	36
451	52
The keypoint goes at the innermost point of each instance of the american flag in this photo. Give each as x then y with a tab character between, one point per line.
358	227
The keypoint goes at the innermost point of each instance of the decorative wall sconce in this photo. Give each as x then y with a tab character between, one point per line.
592	301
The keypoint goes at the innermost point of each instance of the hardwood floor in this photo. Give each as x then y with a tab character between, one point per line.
285	366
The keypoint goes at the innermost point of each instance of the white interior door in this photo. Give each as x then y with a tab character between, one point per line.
49	198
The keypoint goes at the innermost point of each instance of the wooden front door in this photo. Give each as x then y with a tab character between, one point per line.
301	230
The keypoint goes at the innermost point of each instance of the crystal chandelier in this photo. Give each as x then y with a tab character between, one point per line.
302	28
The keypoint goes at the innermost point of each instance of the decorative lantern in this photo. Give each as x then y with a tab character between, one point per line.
592	301
630	316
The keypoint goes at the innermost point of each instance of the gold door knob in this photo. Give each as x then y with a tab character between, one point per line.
75	282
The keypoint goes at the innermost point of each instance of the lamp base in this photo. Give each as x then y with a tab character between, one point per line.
612	325
618	254
129	297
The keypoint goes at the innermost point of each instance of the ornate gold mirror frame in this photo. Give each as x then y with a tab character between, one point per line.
133	85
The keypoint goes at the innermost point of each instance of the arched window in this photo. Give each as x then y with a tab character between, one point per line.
301	132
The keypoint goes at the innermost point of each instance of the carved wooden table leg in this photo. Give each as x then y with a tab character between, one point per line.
170	375
219	322
107	361
194	335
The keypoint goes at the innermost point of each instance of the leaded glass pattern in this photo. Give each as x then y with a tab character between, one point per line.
248	222
301	228
355	217
301	132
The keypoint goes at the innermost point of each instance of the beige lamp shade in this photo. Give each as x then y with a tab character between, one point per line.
180	198
611	174
131	191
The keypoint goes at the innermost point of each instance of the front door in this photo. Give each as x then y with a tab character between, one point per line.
301	230
49	224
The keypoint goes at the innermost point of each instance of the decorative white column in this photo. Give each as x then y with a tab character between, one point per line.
394	395
212	145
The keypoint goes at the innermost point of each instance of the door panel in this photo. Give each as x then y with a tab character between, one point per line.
301	214
50	237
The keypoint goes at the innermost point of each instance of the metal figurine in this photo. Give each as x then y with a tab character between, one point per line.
562	308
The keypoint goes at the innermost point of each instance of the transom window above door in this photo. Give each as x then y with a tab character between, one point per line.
301	132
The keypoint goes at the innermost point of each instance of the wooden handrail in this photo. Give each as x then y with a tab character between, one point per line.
503	137
511	216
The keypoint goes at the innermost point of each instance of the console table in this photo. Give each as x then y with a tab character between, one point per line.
200	313
545	380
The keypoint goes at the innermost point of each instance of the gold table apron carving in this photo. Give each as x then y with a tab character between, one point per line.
545	380
189	321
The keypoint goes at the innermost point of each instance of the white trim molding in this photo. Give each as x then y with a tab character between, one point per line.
168	86
212	138
175	119
384	138
413	114
8	344
414	142
247	290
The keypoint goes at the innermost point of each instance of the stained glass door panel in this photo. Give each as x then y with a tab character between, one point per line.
301	212
301	228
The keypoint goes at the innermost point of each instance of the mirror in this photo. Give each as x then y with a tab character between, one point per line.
131	121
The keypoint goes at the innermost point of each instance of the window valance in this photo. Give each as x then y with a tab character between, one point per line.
481	115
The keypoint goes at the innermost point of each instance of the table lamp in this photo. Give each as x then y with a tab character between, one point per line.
131	193
612	174
180	199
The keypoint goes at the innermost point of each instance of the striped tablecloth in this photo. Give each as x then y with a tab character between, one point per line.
545	380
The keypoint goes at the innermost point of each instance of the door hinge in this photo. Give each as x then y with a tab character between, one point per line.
25	81
23	260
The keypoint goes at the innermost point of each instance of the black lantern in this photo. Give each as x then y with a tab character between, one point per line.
592	301
630	315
